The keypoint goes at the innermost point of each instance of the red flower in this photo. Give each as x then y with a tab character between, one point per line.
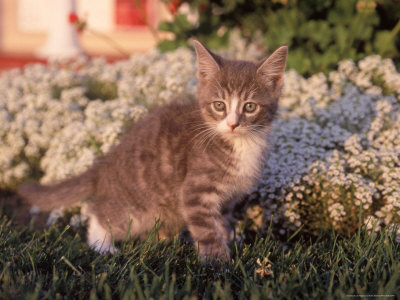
73	18
173	6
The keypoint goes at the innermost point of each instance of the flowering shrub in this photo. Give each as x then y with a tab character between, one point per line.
334	154
335	151
53	126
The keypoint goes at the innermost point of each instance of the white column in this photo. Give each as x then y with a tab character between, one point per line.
62	40
1	25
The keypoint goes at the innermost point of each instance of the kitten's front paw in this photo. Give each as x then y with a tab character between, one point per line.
214	251
104	248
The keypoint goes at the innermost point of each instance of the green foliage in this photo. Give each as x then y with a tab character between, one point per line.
105	90
58	264
95	89
319	33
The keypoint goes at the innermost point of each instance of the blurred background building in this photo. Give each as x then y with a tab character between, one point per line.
319	33
25	26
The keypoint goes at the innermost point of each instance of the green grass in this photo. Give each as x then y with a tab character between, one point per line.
56	263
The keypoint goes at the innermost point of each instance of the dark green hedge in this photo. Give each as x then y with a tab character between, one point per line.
319	33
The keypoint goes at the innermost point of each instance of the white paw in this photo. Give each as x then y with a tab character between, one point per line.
104	248
98	238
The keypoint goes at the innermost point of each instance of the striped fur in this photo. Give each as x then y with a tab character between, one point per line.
182	164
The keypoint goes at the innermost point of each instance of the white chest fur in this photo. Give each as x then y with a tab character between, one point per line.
249	156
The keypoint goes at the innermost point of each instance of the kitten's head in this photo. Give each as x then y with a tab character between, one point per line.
239	98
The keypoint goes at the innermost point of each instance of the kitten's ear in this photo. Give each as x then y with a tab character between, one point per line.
207	64
271	69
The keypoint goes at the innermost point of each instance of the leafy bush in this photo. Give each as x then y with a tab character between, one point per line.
319	33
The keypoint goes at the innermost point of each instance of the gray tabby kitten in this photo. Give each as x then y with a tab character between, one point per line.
182	164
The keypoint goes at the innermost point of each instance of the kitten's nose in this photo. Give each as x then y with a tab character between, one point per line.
232	126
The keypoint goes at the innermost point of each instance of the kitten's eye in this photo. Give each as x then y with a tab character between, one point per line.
250	107
219	106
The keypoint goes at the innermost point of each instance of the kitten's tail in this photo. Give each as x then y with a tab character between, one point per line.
64	194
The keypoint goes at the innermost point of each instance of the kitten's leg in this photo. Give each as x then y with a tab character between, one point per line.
205	223
228	217
98	237
226	227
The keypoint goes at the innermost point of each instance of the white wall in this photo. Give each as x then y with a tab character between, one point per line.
33	16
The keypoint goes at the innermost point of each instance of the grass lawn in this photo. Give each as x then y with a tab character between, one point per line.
56	263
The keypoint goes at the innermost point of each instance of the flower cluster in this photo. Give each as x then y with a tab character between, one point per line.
56	119
334	150
335	153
